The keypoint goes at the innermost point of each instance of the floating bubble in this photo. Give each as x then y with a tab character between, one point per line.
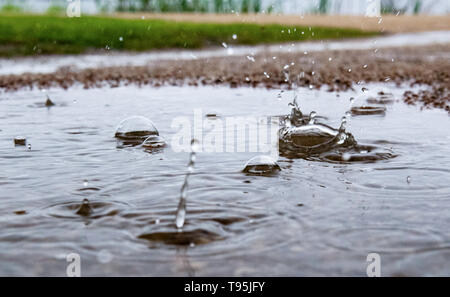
136	128
154	142
261	165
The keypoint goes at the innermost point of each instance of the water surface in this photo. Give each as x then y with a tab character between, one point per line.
312	218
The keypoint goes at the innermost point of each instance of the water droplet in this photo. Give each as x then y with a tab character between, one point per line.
408	179
365	66
234	36
120	38
349	70
312	117
330	59
157	221
85	183
29	146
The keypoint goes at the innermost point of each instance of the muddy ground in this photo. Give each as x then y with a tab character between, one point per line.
337	70
387	23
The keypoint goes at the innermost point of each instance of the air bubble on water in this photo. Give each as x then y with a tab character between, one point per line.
234	36
330	59
157	221
192	245
181	210
261	165
349	70
408	179
85	183
312	73
352	100
311	87
365	66
154	141
29	146
247	78
74	101
364	89
393	60
305	52
104	256
136	127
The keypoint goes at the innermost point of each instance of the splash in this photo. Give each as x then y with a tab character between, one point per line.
181	210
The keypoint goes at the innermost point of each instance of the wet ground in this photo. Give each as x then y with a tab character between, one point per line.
315	217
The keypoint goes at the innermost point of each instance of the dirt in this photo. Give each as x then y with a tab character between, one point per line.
346	69
387	23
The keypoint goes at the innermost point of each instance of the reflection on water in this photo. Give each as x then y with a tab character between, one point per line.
383	189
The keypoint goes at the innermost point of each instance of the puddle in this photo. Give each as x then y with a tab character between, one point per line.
383	189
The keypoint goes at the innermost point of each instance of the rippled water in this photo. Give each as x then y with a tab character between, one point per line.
315	217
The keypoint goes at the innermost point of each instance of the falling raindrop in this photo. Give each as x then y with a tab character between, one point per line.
266	75
120	38
251	58
181	210
234	36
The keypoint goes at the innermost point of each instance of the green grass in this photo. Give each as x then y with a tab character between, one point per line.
22	35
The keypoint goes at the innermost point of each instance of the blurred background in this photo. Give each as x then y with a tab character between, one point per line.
344	7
